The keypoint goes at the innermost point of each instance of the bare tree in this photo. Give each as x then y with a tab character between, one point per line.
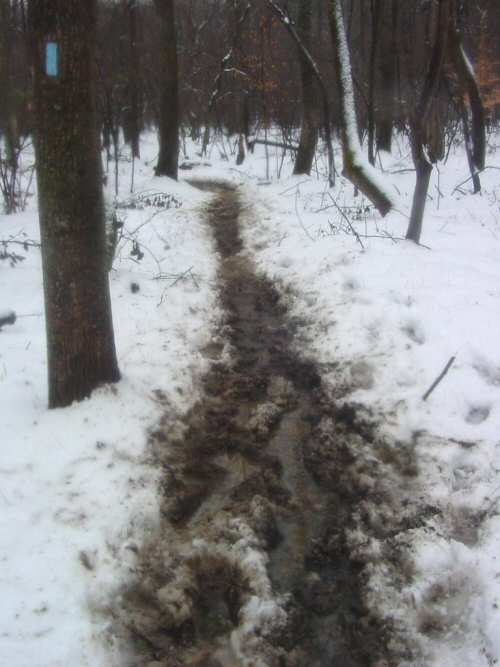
80	341
286	21
426	130
132	119
425	134
376	14
13	95
475	135
168	158
310	103
388	58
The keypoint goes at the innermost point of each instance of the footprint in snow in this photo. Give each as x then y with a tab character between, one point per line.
362	375
351	285
489	373
414	331
477	414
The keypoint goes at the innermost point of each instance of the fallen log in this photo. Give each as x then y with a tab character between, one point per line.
274	144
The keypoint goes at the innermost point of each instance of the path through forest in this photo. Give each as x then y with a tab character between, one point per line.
251	566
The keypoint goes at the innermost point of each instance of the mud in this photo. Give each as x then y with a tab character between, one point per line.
252	565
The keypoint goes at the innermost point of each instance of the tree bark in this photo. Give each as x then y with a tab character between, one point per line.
327	116
476	136
168	159
80	342
361	174
423	170
132	115
310	103
425	132
385	117
9	130
375	11
469	150
244	132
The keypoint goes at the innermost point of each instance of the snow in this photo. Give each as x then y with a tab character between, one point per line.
261	611
78	491
393	314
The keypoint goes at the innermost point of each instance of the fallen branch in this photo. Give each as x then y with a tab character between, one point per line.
176	278
392	238
294	186
274	144
438	379
306	231
479	171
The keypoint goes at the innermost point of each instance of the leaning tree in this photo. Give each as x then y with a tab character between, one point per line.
356	169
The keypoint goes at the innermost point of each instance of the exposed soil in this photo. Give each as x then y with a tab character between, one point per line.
251	565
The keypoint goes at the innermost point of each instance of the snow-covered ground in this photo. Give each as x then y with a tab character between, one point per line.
76	489
382	316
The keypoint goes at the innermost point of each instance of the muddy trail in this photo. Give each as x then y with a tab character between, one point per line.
251	566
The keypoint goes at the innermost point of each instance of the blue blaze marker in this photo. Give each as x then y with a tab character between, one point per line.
52	59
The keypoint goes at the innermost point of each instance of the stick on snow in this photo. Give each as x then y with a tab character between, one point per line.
438	379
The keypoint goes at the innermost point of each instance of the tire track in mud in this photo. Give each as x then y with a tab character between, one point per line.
250	567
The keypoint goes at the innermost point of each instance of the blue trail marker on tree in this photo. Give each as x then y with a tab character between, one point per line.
52	59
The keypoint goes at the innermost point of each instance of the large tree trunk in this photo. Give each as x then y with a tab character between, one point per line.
168	158
80	342
310	103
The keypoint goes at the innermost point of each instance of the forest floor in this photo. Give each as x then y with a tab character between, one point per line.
259	493
265	487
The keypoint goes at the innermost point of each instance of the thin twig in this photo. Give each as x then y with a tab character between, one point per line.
357	236
392	238
294	187
25	244
175	278
306	231
6	500
401	171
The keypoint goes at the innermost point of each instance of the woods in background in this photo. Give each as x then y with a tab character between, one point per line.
314	72
261	83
